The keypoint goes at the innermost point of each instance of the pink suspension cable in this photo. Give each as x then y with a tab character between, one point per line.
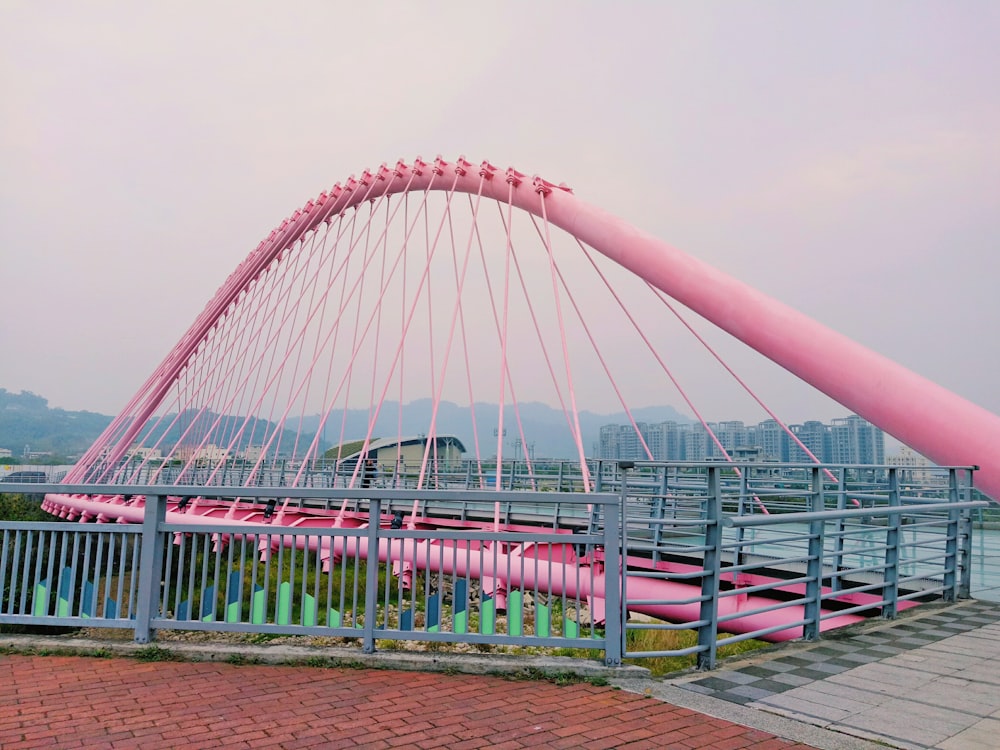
315	354
456	314
378	322
465	344
430	294
666	370
541	341
333	350
355	347
503	344
318	347
430	251
565	345
334	333
402	341
739	380
344	301
281	374
289	279
598	353
401	254
285	276
402	356
271	379
308	287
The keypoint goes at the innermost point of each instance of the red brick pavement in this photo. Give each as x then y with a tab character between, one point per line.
70	701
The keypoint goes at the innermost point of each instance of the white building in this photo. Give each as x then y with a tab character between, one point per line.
145	454
918	468
389	452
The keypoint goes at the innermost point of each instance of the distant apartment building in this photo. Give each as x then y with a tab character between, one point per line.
854	440
209	453
773	441
849	440
251	453
813	436
916	468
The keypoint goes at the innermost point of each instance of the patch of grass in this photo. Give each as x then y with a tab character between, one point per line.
356	664
241	660
264	637
156	653
556	678
318	662
675	640
664	640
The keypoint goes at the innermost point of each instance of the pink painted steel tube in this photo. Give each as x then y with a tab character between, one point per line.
934	421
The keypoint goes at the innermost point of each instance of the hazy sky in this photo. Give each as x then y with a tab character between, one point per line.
843	157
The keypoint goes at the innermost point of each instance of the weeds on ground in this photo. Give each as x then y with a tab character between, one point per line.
155	653
665	640
556	678
241	660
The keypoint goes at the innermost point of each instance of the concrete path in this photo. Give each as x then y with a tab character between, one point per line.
930	679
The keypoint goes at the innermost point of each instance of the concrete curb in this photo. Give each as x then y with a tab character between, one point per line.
315	656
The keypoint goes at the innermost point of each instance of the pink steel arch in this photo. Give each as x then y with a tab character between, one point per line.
943	426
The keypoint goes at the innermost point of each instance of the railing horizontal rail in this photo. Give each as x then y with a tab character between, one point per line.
831	515
484	565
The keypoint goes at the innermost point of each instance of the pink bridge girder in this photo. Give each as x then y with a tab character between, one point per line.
943	426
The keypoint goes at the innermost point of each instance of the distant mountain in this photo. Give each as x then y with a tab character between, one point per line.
27	420
190	426
545	428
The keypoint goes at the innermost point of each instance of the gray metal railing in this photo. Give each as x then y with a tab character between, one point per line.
817	559
376	580
702	556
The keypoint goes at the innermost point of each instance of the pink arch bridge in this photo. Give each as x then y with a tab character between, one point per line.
447	282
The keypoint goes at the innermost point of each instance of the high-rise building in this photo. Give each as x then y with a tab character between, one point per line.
855	440
773	440
607	445
732	435
849	440
815	436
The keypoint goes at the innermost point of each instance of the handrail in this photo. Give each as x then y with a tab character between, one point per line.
823	515
209	492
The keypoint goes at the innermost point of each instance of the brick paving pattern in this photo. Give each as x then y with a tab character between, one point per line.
72	702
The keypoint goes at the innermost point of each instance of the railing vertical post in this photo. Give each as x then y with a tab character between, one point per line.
741	510
838	549
965	555
814	566
150	564
614	583
708	631
371	576
893	523
951	548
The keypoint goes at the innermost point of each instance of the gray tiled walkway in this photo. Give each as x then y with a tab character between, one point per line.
928	680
